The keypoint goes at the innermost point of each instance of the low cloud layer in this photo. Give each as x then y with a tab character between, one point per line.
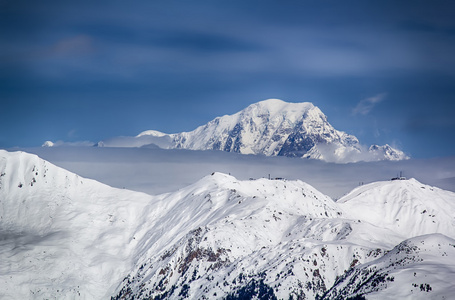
68	144
156	171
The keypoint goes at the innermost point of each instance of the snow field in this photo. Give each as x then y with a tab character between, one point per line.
67	237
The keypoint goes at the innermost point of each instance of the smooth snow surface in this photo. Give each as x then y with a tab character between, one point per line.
407	207
151	133
62	236
67	237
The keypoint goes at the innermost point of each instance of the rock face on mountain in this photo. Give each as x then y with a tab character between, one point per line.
65	237
411	270
273	128
282	240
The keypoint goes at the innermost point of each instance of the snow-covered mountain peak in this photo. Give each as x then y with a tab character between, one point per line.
64	237
266	238
151	133
382	188
407	207
295	197
387	152
271	127
275	108
24	173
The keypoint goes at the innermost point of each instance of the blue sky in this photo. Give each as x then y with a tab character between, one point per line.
383	71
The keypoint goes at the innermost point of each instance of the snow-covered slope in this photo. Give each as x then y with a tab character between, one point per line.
280	239
406	207
65	237
285	238
422	267
62	236
273	128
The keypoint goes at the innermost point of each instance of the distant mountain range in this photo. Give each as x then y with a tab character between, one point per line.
272	128
67	237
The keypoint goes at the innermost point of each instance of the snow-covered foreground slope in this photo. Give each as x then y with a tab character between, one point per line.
280	239
64	236
418	268
271	127
407	207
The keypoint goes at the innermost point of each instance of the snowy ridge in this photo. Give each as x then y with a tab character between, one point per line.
407	207
273	128
151	133
418	268
67	237
247	232
277	248
62	236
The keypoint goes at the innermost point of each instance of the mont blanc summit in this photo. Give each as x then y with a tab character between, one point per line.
272	128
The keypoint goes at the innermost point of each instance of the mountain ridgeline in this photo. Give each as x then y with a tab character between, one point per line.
272	128
67	237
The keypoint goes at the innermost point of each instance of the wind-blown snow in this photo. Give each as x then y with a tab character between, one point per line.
64	236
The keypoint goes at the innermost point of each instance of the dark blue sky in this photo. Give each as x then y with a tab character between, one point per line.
89	70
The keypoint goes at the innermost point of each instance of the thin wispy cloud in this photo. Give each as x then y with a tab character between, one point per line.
79	44
365	106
